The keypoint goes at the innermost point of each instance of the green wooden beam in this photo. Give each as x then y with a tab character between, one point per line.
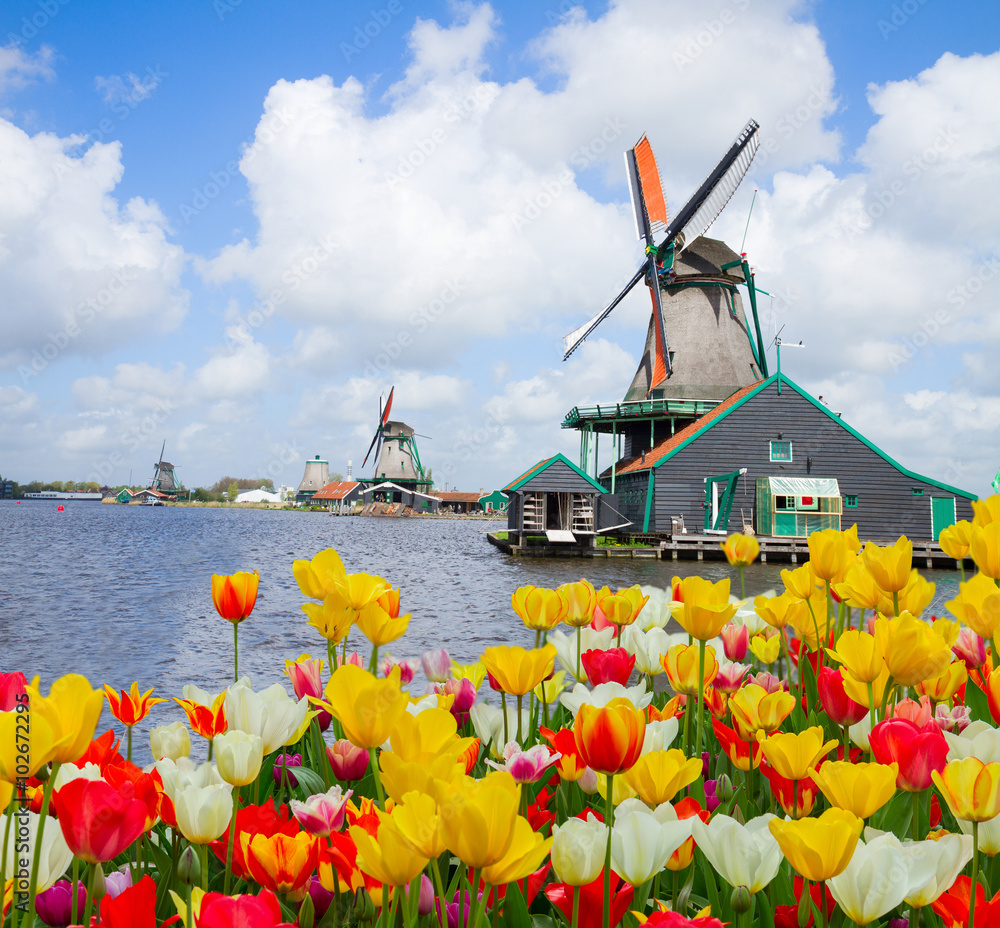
649	500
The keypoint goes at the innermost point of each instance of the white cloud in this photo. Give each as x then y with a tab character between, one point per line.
129	88
18	68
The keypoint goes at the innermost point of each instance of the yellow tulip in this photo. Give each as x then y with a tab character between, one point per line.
72	710
659	775
860	654
779	611
391	859
474	672
818	848
366	707
478	818
858	588
956	540
814	621
985	549
859	691
42	737
755	709
517	670
830	553
986	510
944	686
913	653
524	856
978	606
580	599
332	619
800	582
620	790
379	619
766	650
623	606
705	608
914	598
947	630
548	691
889	566
971	788
539	609
681	665
316	578
740	550
432	733
360	589
793	755
859	788
417	820
400	777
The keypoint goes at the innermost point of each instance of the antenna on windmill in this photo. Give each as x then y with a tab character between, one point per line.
693	220
779	344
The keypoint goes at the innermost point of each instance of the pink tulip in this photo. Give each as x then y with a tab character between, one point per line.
55	905
352	658
437	665
306	675
425	902
348	761
970	649
323	813
956	719
767	680
284	764
407	668
917	712
116	882
465	697
735	641
730	678
526	766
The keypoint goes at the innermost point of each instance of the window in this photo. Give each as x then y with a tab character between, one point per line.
781	450
784	502
918	491
850	502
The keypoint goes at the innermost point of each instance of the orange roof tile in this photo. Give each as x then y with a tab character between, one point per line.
339	489
459	497
663	448
527	473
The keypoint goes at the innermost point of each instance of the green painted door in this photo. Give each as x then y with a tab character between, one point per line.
942	514
719	492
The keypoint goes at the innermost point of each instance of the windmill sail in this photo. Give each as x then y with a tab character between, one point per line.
572	341
646	190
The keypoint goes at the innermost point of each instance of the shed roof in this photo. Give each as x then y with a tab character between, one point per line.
339	489
666	449
455	496
542	465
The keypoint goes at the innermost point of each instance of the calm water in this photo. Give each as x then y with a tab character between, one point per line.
123	593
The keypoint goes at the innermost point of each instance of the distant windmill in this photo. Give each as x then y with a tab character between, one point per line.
698	345
164	477
395	447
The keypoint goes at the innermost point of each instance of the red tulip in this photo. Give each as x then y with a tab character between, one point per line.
103	751
347	761
836	703
736	748
614	665
254	820
97	821
132	783
221	911
11	686
591	901
797	797
668	919
953	906
134	907
918	751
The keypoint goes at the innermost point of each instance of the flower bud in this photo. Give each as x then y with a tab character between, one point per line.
364	908
804	913
98	887
740	899
723	788
189	867
307	912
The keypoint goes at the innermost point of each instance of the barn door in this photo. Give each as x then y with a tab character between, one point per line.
719	493
942	514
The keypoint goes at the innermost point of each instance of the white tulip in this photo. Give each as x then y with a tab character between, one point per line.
430	701
272	713
747	615
487	722
860	733
171	741
55	854
989	834
602	694
238	756
877	879
642	841
647	648
948	857
578	850
656	612
203	812
179	774
69	772
979	740
659	735
745	855
198	695
590	640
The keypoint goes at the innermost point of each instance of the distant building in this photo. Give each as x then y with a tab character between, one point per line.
315	477
259	496
460	502
494	502
338	496
389	492
7	489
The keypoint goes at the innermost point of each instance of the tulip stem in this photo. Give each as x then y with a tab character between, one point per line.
46	799
321	760
915	823
439	887
701	698
90	894
576	907
519	698
204	865
506	733
975	873
743	588
75	900
128	755
3	854
188	917
609	814
888	692
871	704
232	839
821	908
236	653
378	779
579	647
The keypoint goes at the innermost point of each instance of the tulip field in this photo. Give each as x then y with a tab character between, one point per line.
823	755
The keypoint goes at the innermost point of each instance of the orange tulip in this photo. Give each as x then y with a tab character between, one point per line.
540	609
235	595
280	863
609	739
131	708
971	788
623	606
207	721
681	665
755	709
740	550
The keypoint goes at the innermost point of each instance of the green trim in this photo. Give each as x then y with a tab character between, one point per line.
517	484
649	500
764	384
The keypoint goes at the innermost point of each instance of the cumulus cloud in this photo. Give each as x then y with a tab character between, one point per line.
18	68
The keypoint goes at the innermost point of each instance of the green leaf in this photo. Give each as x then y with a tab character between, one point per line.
979	707
542	921
310	782
515	913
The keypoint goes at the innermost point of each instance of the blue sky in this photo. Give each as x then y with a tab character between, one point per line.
203	151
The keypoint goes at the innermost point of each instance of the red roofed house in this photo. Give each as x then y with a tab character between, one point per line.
339	496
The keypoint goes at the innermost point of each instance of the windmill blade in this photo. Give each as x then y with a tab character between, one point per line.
646	190
388	406
658	309
575	338
712	196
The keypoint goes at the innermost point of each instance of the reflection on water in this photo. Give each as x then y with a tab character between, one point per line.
122	593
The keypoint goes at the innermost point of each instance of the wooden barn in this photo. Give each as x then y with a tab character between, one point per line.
558	500
338	496
776	459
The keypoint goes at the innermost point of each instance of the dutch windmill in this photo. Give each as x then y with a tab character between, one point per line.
164	477
395	450
699	344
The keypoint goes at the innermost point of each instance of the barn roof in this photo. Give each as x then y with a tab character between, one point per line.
542	465
666	449
339	489
454	496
